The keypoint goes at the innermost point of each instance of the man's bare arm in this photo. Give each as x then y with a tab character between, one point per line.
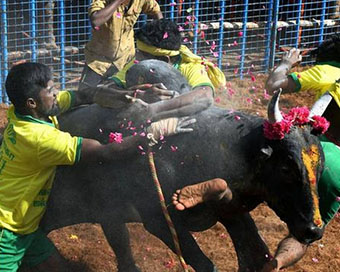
190	103
100	17
158	16
94	151
109	97
279	78
288	253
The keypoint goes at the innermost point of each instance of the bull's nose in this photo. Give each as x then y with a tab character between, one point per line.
312	233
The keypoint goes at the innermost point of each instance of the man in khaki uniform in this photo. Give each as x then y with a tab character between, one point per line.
112	44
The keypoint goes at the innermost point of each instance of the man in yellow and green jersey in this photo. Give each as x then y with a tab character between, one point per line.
31	149
161	39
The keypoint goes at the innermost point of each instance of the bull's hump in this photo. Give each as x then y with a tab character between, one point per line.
156	71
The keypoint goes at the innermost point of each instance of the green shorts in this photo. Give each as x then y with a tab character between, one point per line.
329	183
28	250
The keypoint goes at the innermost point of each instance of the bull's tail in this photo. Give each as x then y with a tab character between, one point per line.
1	139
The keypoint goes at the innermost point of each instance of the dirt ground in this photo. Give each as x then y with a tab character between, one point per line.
87	250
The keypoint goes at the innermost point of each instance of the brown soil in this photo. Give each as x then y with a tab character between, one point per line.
87	250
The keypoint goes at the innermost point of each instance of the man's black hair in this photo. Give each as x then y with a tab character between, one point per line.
329	50
161	33
25	81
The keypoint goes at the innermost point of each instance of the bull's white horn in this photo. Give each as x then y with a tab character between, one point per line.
321	104
274	114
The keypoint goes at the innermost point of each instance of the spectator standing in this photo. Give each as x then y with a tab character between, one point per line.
112	43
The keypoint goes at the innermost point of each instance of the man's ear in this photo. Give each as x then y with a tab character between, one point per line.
168	59
30	103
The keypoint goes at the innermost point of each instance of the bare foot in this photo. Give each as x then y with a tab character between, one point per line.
190	196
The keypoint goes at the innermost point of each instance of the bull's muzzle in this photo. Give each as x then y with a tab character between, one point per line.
309	234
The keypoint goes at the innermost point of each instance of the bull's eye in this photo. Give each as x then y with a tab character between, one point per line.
285	169
288	174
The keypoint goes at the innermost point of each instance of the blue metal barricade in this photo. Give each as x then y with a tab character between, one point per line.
238	35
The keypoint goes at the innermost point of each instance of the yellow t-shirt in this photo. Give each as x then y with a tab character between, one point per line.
320	79
113	42
29	154
195	73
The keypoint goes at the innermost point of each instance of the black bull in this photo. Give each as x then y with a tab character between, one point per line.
228	145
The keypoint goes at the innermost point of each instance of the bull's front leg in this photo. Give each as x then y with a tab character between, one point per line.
117	236
252	252
192	254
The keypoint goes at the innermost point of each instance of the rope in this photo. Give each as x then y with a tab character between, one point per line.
165	211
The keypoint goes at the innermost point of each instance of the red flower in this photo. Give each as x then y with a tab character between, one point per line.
320	124
298	116
115	137
277	130
295	117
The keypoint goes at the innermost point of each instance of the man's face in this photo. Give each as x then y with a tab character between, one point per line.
47	101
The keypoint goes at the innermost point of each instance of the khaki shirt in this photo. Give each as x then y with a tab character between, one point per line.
113	42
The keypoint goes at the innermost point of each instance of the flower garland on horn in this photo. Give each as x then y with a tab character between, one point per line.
295	117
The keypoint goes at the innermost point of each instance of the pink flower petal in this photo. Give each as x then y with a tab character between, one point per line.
140	147
202	35
166	35
240	34
115	137
118	15
174	148
237	117
213	46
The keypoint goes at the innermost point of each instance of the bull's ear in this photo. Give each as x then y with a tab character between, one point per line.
266	152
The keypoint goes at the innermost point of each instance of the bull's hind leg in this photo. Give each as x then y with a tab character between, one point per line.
117	235
192	254
252	252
